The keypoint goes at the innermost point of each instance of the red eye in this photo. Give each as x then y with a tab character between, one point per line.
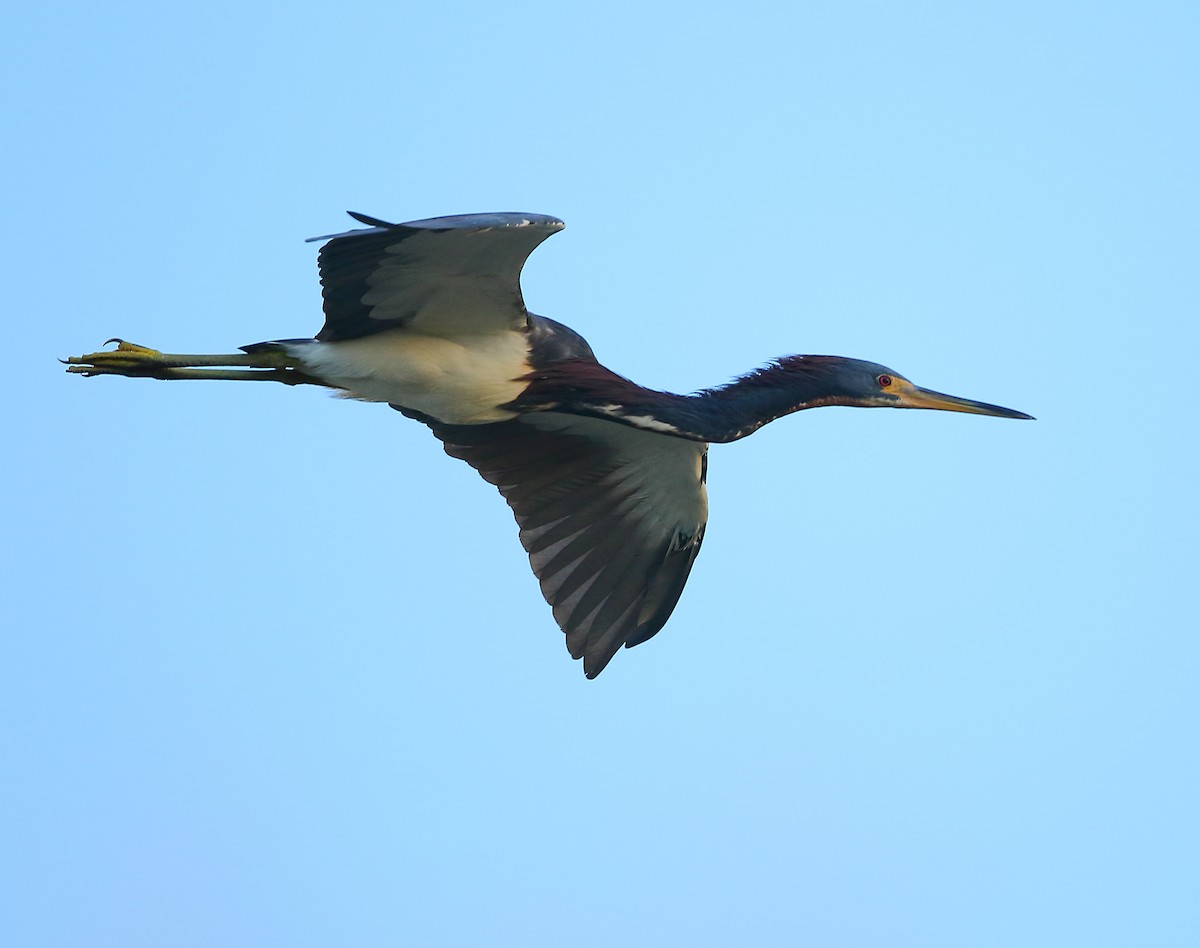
884	381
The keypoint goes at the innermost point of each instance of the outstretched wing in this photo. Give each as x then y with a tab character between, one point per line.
612	518
443	275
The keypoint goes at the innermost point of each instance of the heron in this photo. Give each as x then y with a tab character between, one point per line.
606	478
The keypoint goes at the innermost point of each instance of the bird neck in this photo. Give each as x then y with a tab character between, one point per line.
739	408
721	414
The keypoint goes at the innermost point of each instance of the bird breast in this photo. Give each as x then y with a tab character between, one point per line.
459	380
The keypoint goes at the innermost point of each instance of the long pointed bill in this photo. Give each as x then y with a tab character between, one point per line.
918	397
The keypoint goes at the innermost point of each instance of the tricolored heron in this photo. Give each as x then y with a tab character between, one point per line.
606	478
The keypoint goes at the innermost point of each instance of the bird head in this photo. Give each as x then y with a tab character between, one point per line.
870	385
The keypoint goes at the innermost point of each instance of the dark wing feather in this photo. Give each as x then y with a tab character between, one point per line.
612	518
447	274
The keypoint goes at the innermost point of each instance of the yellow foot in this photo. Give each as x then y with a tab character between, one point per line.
127	359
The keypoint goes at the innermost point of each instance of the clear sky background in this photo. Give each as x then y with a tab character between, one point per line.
275	671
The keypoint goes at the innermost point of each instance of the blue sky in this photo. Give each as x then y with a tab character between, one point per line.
276	671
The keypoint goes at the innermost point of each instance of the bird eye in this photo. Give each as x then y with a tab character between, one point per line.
884	381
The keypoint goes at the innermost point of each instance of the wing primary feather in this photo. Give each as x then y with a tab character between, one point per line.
665	590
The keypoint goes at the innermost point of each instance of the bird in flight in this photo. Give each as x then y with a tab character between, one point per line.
606	478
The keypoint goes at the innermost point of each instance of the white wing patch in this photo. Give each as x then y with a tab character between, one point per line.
645	422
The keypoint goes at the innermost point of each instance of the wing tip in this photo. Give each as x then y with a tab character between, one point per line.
369	220
593	665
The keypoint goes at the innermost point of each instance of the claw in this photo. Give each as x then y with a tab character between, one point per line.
127	359
133	347
123	346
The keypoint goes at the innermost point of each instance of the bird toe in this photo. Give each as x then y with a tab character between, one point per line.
127	359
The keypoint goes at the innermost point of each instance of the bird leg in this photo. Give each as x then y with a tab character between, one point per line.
134	361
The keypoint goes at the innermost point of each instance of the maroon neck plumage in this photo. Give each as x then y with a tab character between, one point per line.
725	413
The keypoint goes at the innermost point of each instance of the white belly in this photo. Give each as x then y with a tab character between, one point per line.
459	381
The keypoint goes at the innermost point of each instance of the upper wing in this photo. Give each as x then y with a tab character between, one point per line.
612	518
447	274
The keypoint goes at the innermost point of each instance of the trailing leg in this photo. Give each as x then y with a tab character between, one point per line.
261	364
